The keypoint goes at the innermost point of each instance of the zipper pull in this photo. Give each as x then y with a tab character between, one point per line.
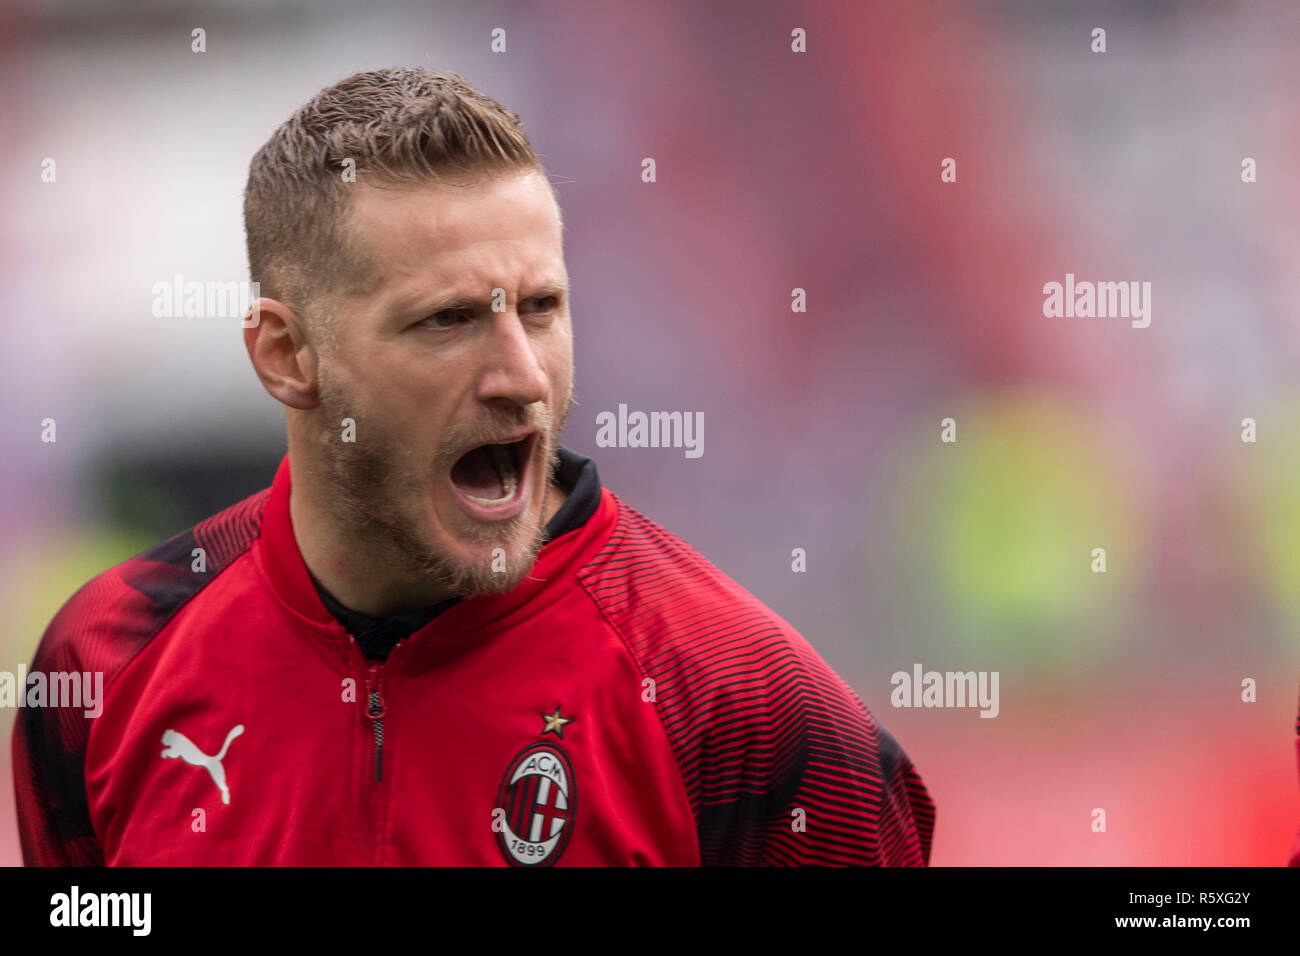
375	687
375	710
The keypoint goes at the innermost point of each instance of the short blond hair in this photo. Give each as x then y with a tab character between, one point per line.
397	126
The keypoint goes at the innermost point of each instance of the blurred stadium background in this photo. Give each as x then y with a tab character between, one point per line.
776	171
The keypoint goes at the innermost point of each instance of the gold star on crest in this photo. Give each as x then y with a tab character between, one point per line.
555	723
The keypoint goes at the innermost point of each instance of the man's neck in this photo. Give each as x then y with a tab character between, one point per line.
358	578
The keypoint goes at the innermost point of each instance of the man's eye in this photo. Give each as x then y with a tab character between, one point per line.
444	319
552	302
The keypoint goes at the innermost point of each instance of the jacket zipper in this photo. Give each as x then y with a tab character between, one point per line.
376	708
373	795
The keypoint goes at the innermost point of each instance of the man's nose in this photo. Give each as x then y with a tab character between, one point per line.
511	370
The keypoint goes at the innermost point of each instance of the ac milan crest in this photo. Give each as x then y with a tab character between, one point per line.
539	796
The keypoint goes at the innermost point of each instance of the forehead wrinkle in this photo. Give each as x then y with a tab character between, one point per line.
472	274
432	256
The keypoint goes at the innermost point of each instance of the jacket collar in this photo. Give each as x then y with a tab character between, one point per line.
553	573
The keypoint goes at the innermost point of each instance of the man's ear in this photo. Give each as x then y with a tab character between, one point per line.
281	355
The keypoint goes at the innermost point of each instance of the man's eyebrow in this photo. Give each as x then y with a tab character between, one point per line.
458	301
549	288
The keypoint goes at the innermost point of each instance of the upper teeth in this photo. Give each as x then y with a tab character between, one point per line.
505	465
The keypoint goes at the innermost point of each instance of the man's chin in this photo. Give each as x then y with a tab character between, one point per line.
475	558
483	569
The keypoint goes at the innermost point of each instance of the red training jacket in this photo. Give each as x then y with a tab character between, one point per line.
626	704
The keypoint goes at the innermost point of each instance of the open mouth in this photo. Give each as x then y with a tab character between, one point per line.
492	475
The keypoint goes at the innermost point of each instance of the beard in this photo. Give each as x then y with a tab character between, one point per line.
381	493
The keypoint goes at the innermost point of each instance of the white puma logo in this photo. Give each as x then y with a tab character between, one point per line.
176	744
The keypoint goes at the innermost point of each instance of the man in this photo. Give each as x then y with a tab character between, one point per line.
436	638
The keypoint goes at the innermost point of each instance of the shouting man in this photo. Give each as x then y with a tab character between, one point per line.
436	638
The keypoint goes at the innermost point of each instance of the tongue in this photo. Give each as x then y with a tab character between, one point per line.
476	475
